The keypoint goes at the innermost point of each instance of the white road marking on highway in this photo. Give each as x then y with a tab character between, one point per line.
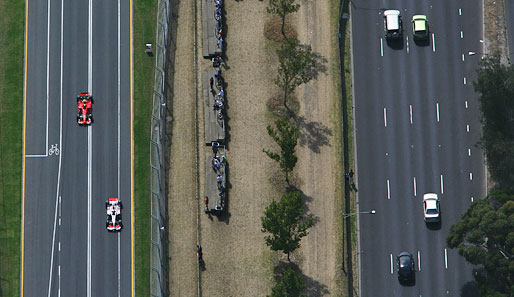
471	198
59	288
467	128
59	249
469	152
119	267
407	43
388	190
381	47
465	81
437	110
433	42
471	176
463	57
461	34
89	143
414	182
410	112
445	258
391	257
466	103
460	11
419	261
442	185
385	117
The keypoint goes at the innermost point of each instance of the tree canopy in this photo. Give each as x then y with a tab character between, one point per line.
485	236
290	286
282	8
286	136
495	84
286	223
296	66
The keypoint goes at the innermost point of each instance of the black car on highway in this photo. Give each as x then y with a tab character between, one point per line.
405	266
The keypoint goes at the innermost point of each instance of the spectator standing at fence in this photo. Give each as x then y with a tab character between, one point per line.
219	179
350	175
199	252
215	146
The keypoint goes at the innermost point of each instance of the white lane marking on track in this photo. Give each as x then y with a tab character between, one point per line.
391	257
381	47
410	113
385	117
433	42
442	185
469	152
53	239
460	11
388	190
47	72
465	81
471	176
463	57
407	44
414	183
467	128
471	198
466	104
461	34
445	258
437	109
89	143
419	261
59	288
119	87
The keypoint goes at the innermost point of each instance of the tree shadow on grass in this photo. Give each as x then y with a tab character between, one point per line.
307	200
313	288
313	134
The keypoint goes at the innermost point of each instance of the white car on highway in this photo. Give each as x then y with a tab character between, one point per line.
431	208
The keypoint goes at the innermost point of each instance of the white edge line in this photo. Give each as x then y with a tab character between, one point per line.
90	144
47	73
118	190
53	242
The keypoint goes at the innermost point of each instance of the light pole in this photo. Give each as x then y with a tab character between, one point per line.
347	215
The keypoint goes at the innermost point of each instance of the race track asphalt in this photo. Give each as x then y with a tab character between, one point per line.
56	186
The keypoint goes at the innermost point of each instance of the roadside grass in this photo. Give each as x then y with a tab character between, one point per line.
144	23
12	16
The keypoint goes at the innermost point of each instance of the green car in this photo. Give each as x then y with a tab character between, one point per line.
420	27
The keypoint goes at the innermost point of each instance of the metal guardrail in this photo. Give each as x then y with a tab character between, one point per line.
158	247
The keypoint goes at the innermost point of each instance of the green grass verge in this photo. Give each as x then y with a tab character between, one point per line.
12	15
144	23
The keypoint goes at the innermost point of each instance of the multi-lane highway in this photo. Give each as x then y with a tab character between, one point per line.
417	126
69	171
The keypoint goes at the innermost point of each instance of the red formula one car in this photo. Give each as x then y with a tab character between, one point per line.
84	103
113	207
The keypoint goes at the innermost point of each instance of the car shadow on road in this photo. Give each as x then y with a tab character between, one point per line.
313	288
395	44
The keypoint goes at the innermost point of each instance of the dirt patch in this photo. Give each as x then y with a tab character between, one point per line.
495	31
182	206
273	29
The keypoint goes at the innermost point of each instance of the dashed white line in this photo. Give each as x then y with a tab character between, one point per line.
388	190
467	128
385	117
445	258
469	152
381	47
460	11
59	286
59	247
471	176
442	185
461	34
466	104
471	198
414	183
463	57
433	42
410	112
437	109
407	44
465	81
391	257
419	261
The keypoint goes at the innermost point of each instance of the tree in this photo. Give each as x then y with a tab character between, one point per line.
285	222
282	8
485	236
286	136
296	66
290	286
495	84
